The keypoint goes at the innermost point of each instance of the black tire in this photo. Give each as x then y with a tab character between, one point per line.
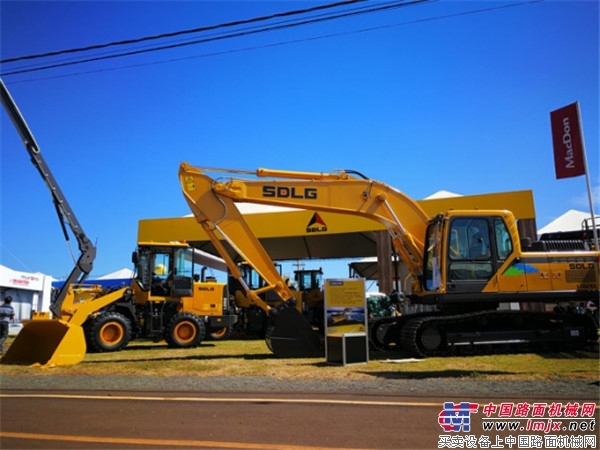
185	330
220	334
108	332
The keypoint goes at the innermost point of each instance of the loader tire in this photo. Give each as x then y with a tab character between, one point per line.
109	332
220	334
185	330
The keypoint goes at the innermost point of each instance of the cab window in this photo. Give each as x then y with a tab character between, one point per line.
184	264
504	245
161	271
470	254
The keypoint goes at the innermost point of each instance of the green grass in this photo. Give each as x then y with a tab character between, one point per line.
253	358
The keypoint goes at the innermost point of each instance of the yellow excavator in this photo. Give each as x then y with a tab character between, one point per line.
463	263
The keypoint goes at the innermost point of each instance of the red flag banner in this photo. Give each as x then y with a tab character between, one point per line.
567	141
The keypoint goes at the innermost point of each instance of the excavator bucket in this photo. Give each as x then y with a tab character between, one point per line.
291	336
46	343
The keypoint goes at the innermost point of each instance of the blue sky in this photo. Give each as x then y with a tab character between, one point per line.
441	95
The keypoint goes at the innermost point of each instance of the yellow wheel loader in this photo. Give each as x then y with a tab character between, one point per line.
169	300
61	338
462	263
166	300
253	320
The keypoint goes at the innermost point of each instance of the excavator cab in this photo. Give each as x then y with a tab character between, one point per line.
477	244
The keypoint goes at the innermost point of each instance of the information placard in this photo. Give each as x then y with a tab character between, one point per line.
346	321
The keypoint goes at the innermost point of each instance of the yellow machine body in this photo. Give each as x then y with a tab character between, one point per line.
464	262
59	342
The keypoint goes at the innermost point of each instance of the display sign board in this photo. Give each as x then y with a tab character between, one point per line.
346	321
21	280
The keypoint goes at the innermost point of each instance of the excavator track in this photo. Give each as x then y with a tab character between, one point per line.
385	332
493	332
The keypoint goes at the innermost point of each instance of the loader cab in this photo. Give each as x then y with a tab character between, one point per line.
309	279
254	282
310	283
465	252
164	271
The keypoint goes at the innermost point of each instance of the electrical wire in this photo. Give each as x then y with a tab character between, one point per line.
387	6
251	48
180	33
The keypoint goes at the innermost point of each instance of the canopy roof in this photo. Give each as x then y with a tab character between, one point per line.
286	235
119	274
572	220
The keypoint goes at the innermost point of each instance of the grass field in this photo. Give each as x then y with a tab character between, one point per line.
253	358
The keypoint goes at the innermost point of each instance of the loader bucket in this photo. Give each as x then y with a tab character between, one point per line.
47	343
291	336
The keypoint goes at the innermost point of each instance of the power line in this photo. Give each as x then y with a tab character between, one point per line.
296	41
387	6
180	33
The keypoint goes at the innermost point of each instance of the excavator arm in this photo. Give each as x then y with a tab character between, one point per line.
213	203
85	261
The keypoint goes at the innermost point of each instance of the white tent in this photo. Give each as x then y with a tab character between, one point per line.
118	275
442	194
570	221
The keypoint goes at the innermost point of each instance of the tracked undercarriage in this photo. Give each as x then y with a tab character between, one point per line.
485	332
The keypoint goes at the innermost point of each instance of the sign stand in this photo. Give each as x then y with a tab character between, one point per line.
346	339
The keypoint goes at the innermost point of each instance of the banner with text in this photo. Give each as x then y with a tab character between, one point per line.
567	141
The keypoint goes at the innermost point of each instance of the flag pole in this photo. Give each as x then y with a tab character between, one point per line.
587	179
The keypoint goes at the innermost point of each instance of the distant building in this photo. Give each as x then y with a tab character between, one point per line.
30	292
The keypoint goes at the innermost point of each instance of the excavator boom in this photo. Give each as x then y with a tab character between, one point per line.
289	334
213	203
337	192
